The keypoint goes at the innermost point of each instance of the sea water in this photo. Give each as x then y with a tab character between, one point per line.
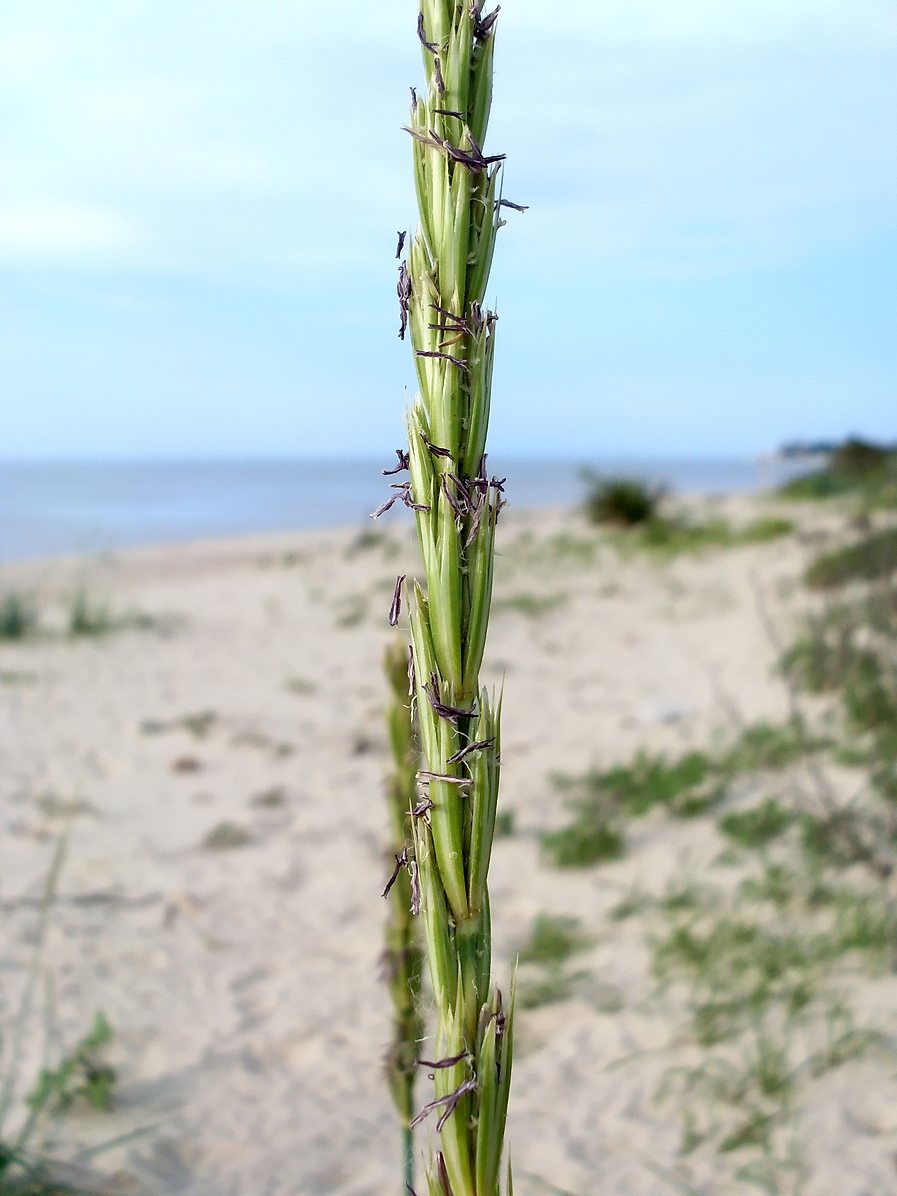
54	508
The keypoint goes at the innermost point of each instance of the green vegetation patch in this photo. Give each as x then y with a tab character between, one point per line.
18	616
869	559
676	535
856	468
759	826
686	787
633	509
82	1075
226	836
534	606
553	940
620	501
586	841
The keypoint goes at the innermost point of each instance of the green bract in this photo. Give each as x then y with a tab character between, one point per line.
442	291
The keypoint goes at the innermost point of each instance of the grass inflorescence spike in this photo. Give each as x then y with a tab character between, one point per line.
456	504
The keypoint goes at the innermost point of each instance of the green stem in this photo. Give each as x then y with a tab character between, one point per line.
408	1144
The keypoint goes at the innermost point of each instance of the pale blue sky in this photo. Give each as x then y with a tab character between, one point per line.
198	205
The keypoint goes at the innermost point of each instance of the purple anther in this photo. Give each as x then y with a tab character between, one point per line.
460	511
435	449
481	745
449	713
450	1102
403	290
440	1063
401	862
384	506
431	46
483	26
396	608
404	463
462	365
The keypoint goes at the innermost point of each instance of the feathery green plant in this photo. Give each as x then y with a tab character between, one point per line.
403	957
442	288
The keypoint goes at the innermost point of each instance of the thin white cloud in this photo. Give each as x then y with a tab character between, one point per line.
54	230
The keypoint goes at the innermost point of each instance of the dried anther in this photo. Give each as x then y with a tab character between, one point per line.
435	449
403	492
450	1102
403	290
449	713
401	862
506	203
401	244
463	493
462	753
444	776
472	158
421	33
422	808
448	112
450	1062
453	502
404	463
385	506
440	82
396	608
462	365
483	26
457	321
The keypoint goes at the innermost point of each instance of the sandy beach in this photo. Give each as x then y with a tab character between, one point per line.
217	758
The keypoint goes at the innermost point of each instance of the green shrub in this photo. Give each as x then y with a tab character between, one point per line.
86	618
18	617
622	502
855	467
